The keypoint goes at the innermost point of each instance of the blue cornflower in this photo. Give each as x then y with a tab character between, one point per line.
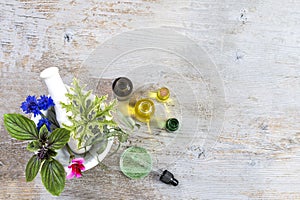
30	106
45	102
43	121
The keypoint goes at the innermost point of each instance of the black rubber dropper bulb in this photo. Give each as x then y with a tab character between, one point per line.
168	178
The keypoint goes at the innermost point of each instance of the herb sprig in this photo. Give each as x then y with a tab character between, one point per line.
91	118
44	145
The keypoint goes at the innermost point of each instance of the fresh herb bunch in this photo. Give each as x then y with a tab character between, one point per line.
92	119
44	142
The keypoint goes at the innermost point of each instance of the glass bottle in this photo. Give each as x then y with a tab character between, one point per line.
122	88
172	125
163	94
144	110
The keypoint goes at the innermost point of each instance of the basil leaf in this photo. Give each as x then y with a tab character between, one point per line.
20	127
32	168
53	176
58	138
43	133
51	153
33	146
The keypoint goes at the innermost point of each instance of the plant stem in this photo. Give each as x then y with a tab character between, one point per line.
72	156
43	116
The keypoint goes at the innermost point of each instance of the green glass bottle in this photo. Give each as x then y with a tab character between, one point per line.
172	125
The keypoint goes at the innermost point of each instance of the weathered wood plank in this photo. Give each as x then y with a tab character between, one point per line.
256	47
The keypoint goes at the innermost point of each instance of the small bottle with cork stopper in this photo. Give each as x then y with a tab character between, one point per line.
163	94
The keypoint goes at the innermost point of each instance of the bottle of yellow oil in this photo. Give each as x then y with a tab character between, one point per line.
144	110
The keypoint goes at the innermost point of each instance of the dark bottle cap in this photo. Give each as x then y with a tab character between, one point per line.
168	178
122	88
172	124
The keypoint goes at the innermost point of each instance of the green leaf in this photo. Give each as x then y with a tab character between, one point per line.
51	116
58	138
122	137
43	133
53	176
90	114
32	168
51	153
95	140
33	146
20	127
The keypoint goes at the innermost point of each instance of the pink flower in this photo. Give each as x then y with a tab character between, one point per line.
75	168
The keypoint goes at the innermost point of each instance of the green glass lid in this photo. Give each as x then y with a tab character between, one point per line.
136	162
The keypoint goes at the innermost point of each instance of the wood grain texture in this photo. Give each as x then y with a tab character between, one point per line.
256	47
